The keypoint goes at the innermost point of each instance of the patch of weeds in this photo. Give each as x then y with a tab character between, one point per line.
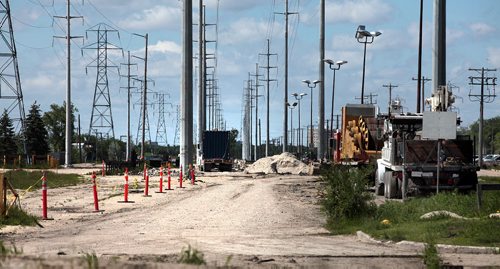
345	193
91	260
228	261
8	251
17	216
191	256
431	256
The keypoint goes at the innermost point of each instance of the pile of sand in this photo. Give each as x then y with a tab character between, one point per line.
285	163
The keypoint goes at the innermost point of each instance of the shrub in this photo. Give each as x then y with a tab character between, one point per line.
346	195
191	256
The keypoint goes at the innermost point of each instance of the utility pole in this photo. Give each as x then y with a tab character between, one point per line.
145	91
439	45
186	98
321	95
285	101
390	86
419	83
257	85
268	80
488	97
102	117
129	77
69	123
422	82
370	97
202	95
10	71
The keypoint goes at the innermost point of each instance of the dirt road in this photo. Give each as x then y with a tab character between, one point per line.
265	220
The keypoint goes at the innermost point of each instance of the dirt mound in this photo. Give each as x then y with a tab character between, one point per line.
285	163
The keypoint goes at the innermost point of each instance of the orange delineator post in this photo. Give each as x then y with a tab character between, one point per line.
44	197
125	192
94	187
146	187
180	178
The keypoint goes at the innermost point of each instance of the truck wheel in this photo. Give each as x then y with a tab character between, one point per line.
391	188
379	186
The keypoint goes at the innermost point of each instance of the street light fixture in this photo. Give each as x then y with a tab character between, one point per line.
365	37
291	106
298	97
311	86
333	66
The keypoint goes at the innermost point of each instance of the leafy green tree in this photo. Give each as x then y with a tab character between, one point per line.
7	136
36	134
234	146
55	120
491	128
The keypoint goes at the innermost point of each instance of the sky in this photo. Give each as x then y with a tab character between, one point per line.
243	27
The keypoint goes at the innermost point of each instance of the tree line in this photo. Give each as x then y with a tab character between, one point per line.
44	133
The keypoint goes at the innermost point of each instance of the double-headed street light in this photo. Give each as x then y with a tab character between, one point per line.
298	97
333	66
365	37
291	106
311	86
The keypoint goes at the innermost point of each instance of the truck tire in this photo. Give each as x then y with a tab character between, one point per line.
391	188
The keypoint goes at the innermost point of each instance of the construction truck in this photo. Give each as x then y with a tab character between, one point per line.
360	135
421	152
216	151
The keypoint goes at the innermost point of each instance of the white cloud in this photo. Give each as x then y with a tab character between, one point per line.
166	47
244	30
234	5
494	57
39	81
362	11
481	29
453	35
153	18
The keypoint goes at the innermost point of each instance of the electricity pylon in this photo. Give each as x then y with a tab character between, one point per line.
102	117
161	128
10	82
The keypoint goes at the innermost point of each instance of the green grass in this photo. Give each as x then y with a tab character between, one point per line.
348	210
489	179
92	260
22	179
405	222
191	255
18	217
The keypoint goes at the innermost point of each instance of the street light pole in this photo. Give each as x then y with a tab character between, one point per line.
298	97
311	86
291	106
333	66
365	37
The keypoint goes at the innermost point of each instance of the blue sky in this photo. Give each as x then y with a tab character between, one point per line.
244	26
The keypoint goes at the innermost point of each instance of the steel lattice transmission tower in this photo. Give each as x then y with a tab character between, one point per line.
102	117
161	128
145	119
10	82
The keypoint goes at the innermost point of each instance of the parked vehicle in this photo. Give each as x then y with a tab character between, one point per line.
216	151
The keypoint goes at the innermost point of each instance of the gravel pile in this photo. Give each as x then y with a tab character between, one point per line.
285	163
